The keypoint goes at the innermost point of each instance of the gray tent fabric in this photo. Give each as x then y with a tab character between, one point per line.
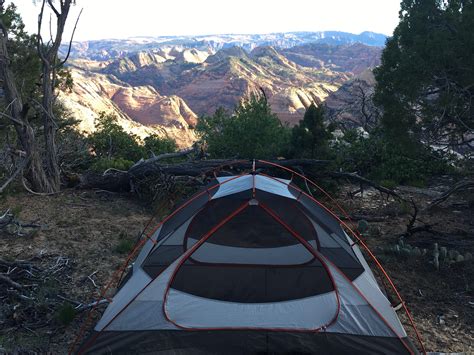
249	265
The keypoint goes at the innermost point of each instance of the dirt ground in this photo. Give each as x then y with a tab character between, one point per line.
85	237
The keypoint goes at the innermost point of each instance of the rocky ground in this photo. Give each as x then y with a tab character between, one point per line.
83	236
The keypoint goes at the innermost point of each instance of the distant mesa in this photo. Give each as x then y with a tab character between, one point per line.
112	49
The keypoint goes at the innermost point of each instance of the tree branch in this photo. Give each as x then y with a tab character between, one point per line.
10	282
51	5
463	185
70	41
39	42
360	179
15	174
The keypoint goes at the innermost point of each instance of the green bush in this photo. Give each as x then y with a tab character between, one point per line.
252	131
102	164
159	145
111	141
310	137
125	244
390	164
115	148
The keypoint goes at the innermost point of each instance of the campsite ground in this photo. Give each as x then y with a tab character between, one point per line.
85	236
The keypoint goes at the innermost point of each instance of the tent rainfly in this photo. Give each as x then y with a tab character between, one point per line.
251	264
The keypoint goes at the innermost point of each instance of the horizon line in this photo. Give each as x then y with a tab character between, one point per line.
221	34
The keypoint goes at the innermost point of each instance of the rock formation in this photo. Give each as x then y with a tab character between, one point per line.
165	88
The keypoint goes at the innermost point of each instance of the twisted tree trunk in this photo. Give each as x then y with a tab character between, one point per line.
48	54
17	113
42	170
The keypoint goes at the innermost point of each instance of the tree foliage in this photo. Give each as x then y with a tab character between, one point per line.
425	83
25	63
252	131
113	147
155	144
310	137
373	157
111	141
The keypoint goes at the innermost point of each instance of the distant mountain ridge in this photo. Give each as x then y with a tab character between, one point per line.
164	84
118	48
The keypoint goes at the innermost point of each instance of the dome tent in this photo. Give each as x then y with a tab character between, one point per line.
250	264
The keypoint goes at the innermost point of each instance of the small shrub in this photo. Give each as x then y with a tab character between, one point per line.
125	244
16	210
363	226
65	314
389	184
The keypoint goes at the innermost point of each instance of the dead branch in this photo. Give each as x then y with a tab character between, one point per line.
121	181
6	218
81	307
164	156
362	180
70	41
37	193
460	186
84	307
411	228
357	217
17	263
14	175
202	167
5	279
13	226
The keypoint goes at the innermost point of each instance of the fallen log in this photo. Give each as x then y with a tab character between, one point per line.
193	170
199	167
115	180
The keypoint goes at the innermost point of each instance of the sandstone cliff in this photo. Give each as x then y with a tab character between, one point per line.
231	73
142	111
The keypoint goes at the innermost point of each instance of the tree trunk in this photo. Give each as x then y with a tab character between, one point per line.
51	154
48	54
35	172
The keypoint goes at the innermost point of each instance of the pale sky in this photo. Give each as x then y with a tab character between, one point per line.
104	19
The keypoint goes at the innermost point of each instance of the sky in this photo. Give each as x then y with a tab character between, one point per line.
106	19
